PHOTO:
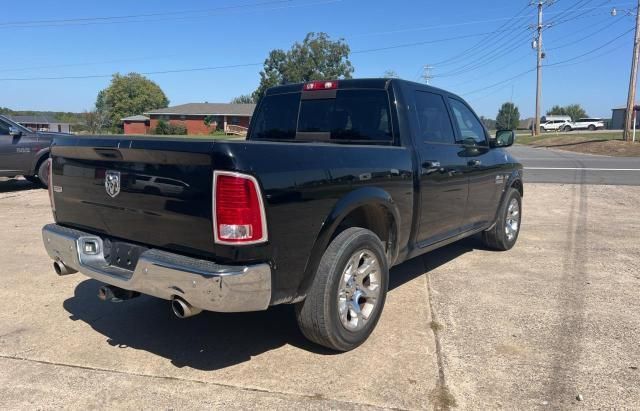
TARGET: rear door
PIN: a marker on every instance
(479, 164)
(443, 185)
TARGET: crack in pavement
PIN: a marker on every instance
(313, 397)
(441, 398)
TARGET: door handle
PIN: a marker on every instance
(474, 163)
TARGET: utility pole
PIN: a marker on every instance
(427, 73)
(536, 130)
(630, 117)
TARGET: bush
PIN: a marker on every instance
(164, 128)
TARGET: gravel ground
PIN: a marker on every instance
(555, 318)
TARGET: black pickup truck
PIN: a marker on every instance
(337, 182)
(24, 152)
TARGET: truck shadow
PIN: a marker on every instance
(12, 185)
(212, 341)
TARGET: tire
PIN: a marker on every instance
(326, 316)
(504, 234)
(566, 129)
(591, 127)
(43, 172)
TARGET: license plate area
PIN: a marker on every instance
(121, 254)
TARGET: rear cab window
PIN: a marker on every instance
(343, 116)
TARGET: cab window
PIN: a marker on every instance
(471, 130)
(435, 125)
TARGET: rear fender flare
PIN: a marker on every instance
(365, 196)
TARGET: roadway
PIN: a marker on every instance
(543, 165)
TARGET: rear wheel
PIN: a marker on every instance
(504, 234)
(591, 127)
(348, 293)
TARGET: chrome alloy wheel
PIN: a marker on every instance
(359, 289)
(512, 222)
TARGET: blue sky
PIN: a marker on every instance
(201, 33)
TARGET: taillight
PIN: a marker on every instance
(50, 184)
(320, 85)
(238, 211)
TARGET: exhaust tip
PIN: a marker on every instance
(183, 309)
(105, 293)
(61, 269)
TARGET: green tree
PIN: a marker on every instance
(490, 124)
(243, 99)
(316, 58)
(94, 120)
(128, 95)
(508, 117)
(575, 111)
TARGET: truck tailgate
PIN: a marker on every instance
(164, 196)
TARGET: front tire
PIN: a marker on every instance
(591, 127)
(504, 234)
(43, 172)
(567, 129)
(348, 293)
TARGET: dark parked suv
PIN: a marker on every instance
(337, 182)
(23, 152)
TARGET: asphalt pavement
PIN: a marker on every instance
(543, 165)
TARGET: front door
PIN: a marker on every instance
(443, 184)
(15, 151)
(480, 167)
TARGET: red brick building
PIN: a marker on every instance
(219, 116)
(136, 124)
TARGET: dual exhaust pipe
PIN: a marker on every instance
(180, 307)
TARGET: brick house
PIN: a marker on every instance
(136, 124)
(221, 117)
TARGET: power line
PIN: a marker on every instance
(84, 20)
(193, 69)
(479, 43)
(571, 43)
(559, 65)
(205, 68)
(397, 46)
(185, 18)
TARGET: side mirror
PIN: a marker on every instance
(504, 138)
(15, 132)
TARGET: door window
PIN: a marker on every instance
(4, 128)
(471, 130)
(435, 125)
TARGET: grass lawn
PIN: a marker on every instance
(593, 142)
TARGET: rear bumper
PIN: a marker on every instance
(203, 284)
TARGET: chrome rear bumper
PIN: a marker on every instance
(203, 284)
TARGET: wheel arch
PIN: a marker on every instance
(368, 207)
(38, 159)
